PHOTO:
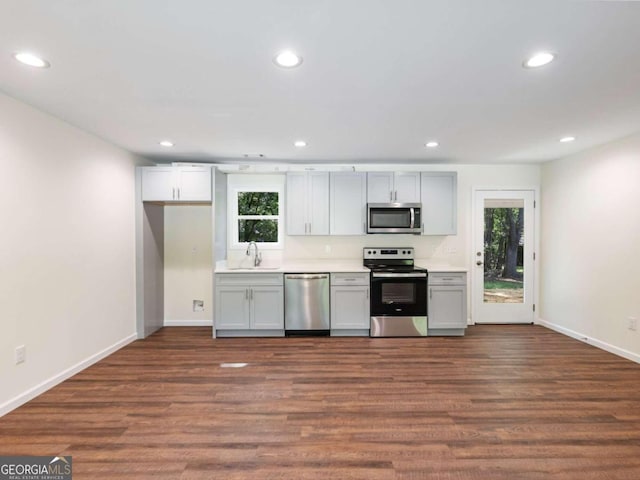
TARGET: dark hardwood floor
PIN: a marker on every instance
(504, 402)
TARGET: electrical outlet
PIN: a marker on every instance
(633, 323)
(21, 354)
(198, 306)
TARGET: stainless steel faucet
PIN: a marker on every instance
(257, 259)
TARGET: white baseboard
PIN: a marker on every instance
(62, 376)
(621, 352)
(188, 323)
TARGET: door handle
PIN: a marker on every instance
(479, 263)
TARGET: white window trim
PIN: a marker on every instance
(232, 203)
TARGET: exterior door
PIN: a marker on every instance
(503, 256)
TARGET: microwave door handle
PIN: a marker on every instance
(413, 217)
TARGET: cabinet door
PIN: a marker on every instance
(439, 195)
(296, 203)
(347, 203)
(318, 203)
(380, 187)
(407, 187)
(194, 184)
(267, 307)
(350, 308)
(158, 184)
(447, 306)
(232, 308)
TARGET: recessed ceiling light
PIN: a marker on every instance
(167, 143)
(31, 60)
(539, 59)
(431, 144)
(300, 143)
(567, 139)
(287, 59)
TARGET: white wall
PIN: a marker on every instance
(67, 249)
(590, 255)
(188, 269)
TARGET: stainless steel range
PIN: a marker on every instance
(398, 292)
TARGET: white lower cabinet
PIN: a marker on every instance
(249, 304)
(447, 303)
(350, 304)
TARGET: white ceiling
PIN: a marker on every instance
(379, 77)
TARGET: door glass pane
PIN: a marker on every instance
(503, 251)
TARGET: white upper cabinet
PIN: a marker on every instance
(176, 184)
(348, 203)
(407, 187)
(401, 187)
(308, 203)
(439, 195)
(379, 187)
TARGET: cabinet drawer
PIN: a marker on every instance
(249, 279)
(441, 278)
(349, 279)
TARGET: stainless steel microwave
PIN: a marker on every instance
(394, 218)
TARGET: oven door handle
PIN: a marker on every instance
(399, 275)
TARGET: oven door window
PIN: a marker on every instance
(393, 293)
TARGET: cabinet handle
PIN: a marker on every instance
(251, 294)
(178, 193)
(173, 194)
(395, 195)
(391, 195)
(430, 293)
(246, 294)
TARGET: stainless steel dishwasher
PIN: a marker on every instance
(306, 304)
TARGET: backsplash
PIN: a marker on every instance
(447, 249)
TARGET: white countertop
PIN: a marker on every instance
(333, 265)
(299, 266)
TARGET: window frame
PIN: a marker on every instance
(232, 225)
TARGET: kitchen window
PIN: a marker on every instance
(255, 215)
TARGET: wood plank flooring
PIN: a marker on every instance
(504, 402)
